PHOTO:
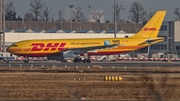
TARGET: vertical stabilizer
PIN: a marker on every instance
(152, 27)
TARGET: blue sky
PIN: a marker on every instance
(22, 6)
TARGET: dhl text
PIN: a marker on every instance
(47, 47)
(149, 29)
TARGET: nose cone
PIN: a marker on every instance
(8, 49)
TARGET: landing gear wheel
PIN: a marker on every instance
(88, 61)
(75, 60)
(85, 60)
(26, 61)
(79, 60)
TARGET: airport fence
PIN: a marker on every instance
(148, 59)
(21, 58)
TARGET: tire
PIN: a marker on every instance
(79, 60)
(85, 60)
(88, 61)
(75, 60)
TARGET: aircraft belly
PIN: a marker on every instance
(37, 54)
(106, 53)
(118, 50)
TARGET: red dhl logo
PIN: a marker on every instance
(149, 29)
(47, 47)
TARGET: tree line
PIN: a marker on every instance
(39, 11)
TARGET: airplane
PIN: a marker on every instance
(64, 49)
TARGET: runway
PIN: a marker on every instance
(104, 64)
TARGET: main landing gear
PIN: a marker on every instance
(79, 60)
(86, 59)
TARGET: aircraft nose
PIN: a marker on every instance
(8, 49)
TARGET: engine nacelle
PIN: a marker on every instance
(53, 58)
(70, 55)
(66, 55)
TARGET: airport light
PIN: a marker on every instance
(89, 6)
(71, 6)
(2, 25)
(114, 18)
(4, 4)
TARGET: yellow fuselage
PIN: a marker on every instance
(45, 47)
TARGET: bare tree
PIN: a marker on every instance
(37, 7)
(46, 14)
(29, 16)
(137, 12)
(96, 15)
(119, 8)
(78, 15)
(10, 11)
(60, 13)
(177, 13)
(150, 13)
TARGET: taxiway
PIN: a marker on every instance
(107, 63)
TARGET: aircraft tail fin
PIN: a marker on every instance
(152, 27)
(107, 42)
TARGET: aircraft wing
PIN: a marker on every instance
(95, 47)
(80, 50)
(85, 49)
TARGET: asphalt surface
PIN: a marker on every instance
(94, 63)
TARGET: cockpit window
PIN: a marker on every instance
(13, 45)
